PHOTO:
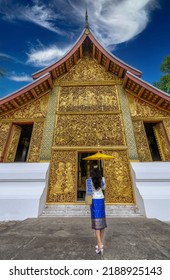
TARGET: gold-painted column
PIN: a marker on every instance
(49, 125)
(128, 126)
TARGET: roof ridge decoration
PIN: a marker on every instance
(86, 20)
(77, 46)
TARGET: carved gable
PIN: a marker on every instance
(87, 69)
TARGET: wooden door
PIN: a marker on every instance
(13, 143)
(162, 141)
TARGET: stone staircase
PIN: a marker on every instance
(82, 210)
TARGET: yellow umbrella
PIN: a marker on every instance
(98, 156)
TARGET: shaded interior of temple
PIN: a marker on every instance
(84, 167)
(24, 142)
(153, 146)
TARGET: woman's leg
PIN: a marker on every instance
(99, 242)
(101, 235)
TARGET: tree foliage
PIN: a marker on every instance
(164, 82)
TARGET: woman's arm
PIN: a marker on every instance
(103, 186)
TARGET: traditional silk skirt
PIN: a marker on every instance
(98, 216)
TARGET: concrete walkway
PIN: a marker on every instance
(73, 239)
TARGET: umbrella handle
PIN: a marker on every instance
(99, 164)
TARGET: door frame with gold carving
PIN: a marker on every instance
(162, 141)
(12, 143)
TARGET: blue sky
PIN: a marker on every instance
(34, 34)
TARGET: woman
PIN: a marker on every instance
(98, 216)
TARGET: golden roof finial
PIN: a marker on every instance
(86, 20)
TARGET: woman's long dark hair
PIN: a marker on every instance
(96, 177)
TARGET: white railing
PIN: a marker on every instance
(23, 190)
(152, 188)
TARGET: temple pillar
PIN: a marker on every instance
(128, 125)
(47, 140)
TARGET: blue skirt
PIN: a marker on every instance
(98, 216)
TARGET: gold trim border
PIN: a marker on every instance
(89, 148)
(83, 203)
(85, 83)
(89, 113)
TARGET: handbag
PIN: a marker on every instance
(88, 199)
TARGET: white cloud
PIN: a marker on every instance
(117, 21)
(44, 56)
(112, 21)
(36, 12)
(22, 77)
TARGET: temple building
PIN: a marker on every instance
(88, 101)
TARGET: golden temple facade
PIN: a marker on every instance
(88, 101)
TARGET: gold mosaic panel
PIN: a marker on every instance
(118, 178)
(141, 141)
(87, 69)
(140, 108)
(89, 98)
(88, 130)
(4, 130)
(36, 140)
(62, 184)
(128, 126)
(49, 125)
(35, 109)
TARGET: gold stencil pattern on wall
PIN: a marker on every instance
(140, 108)
(141, 141)
(62, 185)
(88, 69)
(35, 109)
(89, 98)
(88, 130)
(118, 178)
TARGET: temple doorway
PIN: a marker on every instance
(24, 142)
(84, 167)
(152, 141)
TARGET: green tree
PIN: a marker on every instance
(164, 82)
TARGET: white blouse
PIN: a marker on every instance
(98, 194)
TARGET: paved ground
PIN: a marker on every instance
(73, 239)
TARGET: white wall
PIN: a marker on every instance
(23, 190)
(152, 188)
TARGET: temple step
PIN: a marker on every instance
(77, 210)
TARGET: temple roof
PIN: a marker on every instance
(43, 79)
